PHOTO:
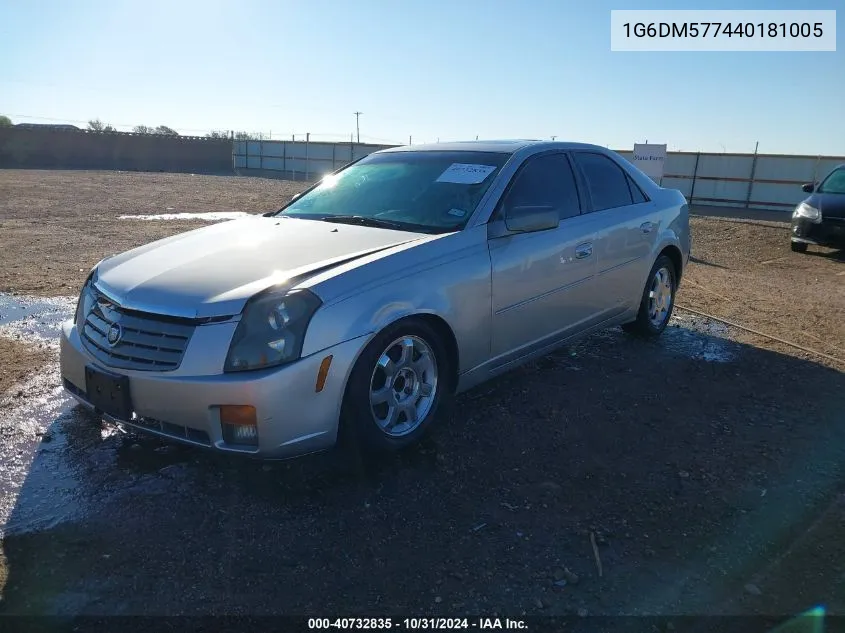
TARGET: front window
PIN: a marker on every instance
(434, 192)
(834, 183)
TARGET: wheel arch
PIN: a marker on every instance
(674, 254)
(435, 322)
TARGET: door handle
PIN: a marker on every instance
(646, 227)
(583, 250)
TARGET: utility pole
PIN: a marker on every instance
(410, 140)
(358, 127)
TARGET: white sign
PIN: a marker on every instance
(466, 174)
(650, 160)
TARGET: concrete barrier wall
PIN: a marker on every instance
(24, 148)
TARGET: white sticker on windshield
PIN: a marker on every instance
(457, 212)
(466, 174)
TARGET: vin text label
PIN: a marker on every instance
(740, 31)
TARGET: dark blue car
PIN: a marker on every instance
(820, 219)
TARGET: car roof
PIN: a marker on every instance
(503, 147)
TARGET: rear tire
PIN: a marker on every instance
(399, 386)
(657, 302)
(798, 247)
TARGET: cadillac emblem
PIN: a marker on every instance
(114, 334)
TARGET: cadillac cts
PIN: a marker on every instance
(363, 305)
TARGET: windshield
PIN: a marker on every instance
(834, 183)
(414, 191)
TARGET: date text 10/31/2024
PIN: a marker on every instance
(414, 624)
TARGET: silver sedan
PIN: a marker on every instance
(367, 302)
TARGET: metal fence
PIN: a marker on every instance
(753, 181)
(297, 160)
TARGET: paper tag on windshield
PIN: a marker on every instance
(457, 212)
(466, 174)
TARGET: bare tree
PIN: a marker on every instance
(217, 134)
(143, 129)
(95, 125)
(167, 131)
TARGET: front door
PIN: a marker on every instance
(540, 280)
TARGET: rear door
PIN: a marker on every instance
(628, 225)
(540, 279)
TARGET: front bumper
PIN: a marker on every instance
(292, 417)
(830, 232)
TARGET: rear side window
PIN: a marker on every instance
(606, 182)
(636, 193)
(546, 181)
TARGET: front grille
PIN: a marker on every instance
(176, 431)
(147, 341)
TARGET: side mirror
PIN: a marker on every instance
(529, 219)
(809, 187)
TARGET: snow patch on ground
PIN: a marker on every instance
(211, 216)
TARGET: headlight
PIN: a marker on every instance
(86, 299)
(271, 330)
(804, 210)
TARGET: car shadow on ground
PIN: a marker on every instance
(692, 462)
(834, 255)
(696, 260)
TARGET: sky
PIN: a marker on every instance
(417, 70)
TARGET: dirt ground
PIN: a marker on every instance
(55, 225)
(17, 361)
(706, 466)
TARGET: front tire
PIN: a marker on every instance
(798, 247)
(398, 387)
(657, 302)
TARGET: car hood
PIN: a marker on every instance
(213, 271)
(832, 205)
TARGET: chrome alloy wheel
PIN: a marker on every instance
(660, 297)
(403, 386)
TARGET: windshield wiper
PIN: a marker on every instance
(363, 221)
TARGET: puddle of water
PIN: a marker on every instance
(34, 319)
(695, 338)
(33, 411)
(212, 216)
(699, 339)
(30, 409)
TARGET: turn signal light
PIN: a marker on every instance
(239, 424)
(323, 374)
